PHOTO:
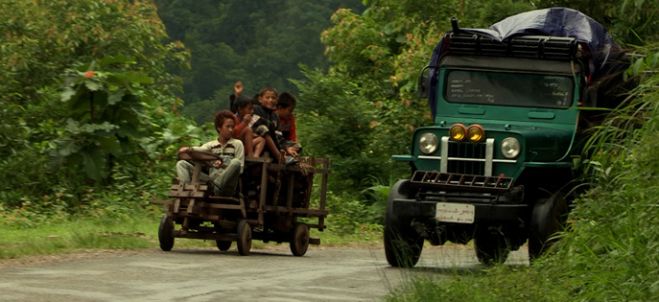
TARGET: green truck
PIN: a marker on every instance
(498, 164)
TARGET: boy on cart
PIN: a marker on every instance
(225, 171)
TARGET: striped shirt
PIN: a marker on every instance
(230, 150)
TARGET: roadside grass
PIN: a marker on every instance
(519, 284)
(364, 235)
(75, 234)
(128, 232)
(611, 250)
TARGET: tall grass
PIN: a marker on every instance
(611, 251)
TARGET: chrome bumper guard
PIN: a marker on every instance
(451, 181)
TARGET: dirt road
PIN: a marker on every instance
(324, 274)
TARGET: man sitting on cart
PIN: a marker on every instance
(225, 171)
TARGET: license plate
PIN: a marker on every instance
(455, 212)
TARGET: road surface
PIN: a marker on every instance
(323, 274)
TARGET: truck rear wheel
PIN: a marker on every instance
(548, 217)
(402, 244)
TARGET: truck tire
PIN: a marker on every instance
(548, 217)
(166, 233)
(299, 239)
(491, 247)
(244, 242)
(402, 244)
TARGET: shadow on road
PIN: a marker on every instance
(232, 253)
(475, 269)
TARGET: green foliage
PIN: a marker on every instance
(342, 120)
(65, 131)
(261, 43)
(105, 118)
(351, 218)
(376, 200)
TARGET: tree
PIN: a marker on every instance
(103, 114)
(261, 43)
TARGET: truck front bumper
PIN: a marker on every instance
(420, 209)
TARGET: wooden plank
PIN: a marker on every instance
(164, 202)
(307, 212)
(194, 235)
(242, 208)
(257, 160)
(178, 194)
(177, 205)
(224, 198)
(264, 191)
(186, 194)
(197, 187)
(323, 189)
(224, 206)
(289, 191)
(190, 206)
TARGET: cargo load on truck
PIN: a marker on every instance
(592, 42)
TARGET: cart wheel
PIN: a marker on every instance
(244, 238)
(300, 239)
(166, 233)
(223, 245)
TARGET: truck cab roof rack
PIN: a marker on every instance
(529, 46)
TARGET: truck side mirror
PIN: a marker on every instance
(423, 85)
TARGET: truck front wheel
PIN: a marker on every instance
(402, 244)
(548, 217)
(491, 246)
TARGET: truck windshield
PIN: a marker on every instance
(508, 88)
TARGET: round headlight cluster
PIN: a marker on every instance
(510, 147)
(474, 133)
(428, 143)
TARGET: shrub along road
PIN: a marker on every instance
(324, 274)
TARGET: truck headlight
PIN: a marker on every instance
(428, 143)
(510, 147)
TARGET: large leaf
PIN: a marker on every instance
(94, 164)
(116, 97)
(92, 85)
(109, 144)
(67, 94)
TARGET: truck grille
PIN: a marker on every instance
(459, 154)
(466, 157)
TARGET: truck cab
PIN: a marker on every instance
(497, 165)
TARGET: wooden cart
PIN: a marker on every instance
(271, 200)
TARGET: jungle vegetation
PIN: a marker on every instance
(97, 95)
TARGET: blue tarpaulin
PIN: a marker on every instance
(606, 56)
(562, 22)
